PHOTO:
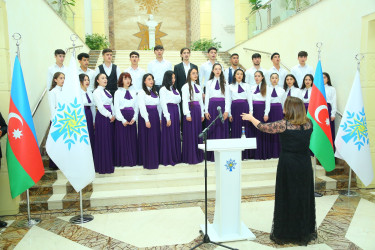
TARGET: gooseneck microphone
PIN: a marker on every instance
(220, 114)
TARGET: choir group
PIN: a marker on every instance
(137, 118)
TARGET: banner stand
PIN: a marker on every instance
(82, 218)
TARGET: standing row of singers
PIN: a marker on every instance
(116, 141)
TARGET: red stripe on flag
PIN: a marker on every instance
(23, 144)
(318, 110)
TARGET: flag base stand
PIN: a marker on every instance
(349, 193)
(30, 222)
(82, 218)
(316, 194)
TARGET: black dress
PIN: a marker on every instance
(294, 215)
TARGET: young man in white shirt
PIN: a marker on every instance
(276, 68)
(228, 73)
(301, 69)
(110, 69)
(206, 68)
(57, 67)
(158, 66)
(249, 74)
(83, 59)
(135, 71)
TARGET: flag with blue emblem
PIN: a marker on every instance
(352, 139)
(68, 142)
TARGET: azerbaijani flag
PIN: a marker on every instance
(321, 139)
(25, 164)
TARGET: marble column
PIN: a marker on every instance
(88, 17)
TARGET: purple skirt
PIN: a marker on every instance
(103, 148)
(170, 149)
(126, 140)
(218, 130)
(190, 140)
(90, 126)
(276, 114)
(332, 124)
(149, 139)
(263, 150)
(238, 107)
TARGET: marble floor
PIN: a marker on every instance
(342, 222)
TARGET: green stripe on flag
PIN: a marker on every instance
(19, 180)
(321, 146)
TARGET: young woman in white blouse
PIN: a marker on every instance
(261, 108)
(291, 88)
(126, 111)
(149, 124)
(54, 96)
(104, 127)
(331, 101)
(276, 112)
(192, 106)
(89, 106)
(242, 102)
(170, 148)
(306, 88)
(217, 95)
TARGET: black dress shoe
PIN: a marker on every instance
(3, 223)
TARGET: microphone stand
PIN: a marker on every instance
(206, 238)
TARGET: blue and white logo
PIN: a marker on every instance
(230, 165)
(355, 128)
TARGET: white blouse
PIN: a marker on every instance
(331, 98)
(54, 96)
(246, 95)
(167, 96)
(143, 100)
(120, 102)
(259, 97)
(211, 92)
(195, 97)
(303, 94)
(85, 102)
(101, 99)
(279, 91)
(295, 92)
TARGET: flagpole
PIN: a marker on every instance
(81, 218)
(30, 221)
(349, 193)
(316, 194)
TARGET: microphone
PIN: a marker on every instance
(220, 114)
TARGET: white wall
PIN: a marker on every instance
(222, 23)
(42, 32)
(335, 23)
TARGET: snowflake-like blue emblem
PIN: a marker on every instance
(230, 165)
(356, 128)
(70, 122)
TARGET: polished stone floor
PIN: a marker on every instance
(343, 223)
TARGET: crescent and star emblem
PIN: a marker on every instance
(16, 132)
(317, 111)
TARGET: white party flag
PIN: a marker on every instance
(68, 142)
(352, 139)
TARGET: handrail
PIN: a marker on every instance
(38, 103)
(267, 53)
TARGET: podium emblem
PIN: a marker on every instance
(230, 165)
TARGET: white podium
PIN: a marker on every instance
(227, 224)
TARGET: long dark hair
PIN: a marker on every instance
(55, 76)
(295, 84)
(222, 78)
(167, 79)
(328, 78)
(144, 87)
(303, 82)
(234, 76)
(97, 78)
(188, 80)
(263, 84)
